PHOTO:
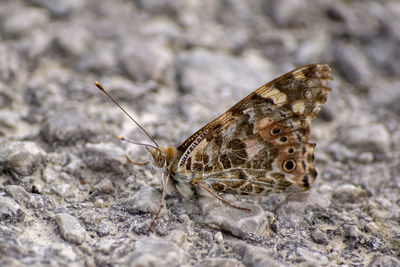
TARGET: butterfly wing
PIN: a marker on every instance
(260, 144)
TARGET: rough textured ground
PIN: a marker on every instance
(68, 197)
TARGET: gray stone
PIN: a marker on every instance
(69, 126)
(146, 59)
(352, 63)
(73, 39)
(240, 223)
(312, 256)
(368, 138)
(105, 186)
(256, 256)
(157, 252)
(291, 211)
(348, 193)
(106, 157)
(147, 200)
(319, 237)
(384, 261)
(10, 211)
(220, 262)
(25, 20)
(56, 7)
(18, 193)
(202, 71)
(24, 158)
(103, 228)
(10, 63)
(71, 229)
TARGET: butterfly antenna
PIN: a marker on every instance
(136, 143)
(127, 114)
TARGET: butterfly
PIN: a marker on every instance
(258, 146)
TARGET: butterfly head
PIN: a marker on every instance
(162, 156)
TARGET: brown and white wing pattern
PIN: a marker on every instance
(260, 144)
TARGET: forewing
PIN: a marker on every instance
(260, 144)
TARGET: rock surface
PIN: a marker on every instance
(70, 197)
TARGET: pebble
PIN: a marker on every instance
(220, 262)
(10, 63)
(147, 200)
(311, 256)
(68, 126)
(73, 39)
(348, 193)
(57, 8)
(218, 237)
(10, 211)
(105, 186)
(103, 228)
(319, 237)
(99, 203)
(368, 138)
(153, 252)
(352, 63)
(256, 256)
(384, 260)
(105, 157)
(153, 61)
(23, 158)
(238, 222)
(71, 229)
(25, 20)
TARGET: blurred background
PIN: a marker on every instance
(175, 65)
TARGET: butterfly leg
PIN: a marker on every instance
(221, 199)
(164, 193)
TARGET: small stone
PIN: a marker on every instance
(106, 157)
(256, 256)
(352, 63)
(69, 126)
(152, 62)
(221, 262)
(179, 237)
(384, 261)
(240, 223)
(319, 237)
(103, 228)
(152, 252)
(367, 138)
(25, 20)
(18, 193)
(57, 8)
(74, 40)
(312, 256)
(99, 203)
(105, 246)
(10, 211)
(291, 211)
(341, 152)
(147, 200)
(71, 229)
(348, 193)
(49, 175)
(105, 186)
(10, 64)
(22, 157)
(365, 157)
(218, 237)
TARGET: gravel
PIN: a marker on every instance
(70, 197)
